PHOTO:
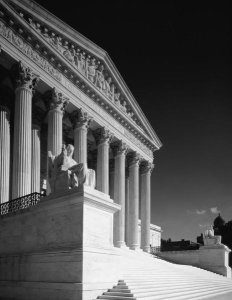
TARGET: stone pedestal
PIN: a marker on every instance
(35, 159)
(25, 80)
(133, 231)
(61, 249)
(145, 196)
(215, 258)
(4, 154)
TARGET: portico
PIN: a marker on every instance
(63, 89)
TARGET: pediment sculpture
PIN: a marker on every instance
(211, 239)
(64, 173)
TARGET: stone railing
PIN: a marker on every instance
(20, 203)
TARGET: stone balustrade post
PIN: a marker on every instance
(26, 81)
(103, 138)
(4, 153)
(133, 213)
(145, 196)
(120, 149)
(35, 159)
(81, 121)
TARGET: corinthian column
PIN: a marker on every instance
(146, 169)
(25, 80)
(81, 122)
(4, 154)
(35, 159)
(133, 231)
(57, 104)
(103, 138)
(120, 150)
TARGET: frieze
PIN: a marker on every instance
(27, 49)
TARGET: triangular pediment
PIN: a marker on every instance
(86, 63)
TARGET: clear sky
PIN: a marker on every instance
(177, 62)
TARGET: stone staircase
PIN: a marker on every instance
(151, 278)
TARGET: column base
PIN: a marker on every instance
(120, 244)
(146, 249)
(134, 247)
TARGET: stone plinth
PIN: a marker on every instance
(215, 258)
(212, 258)
(61, 249)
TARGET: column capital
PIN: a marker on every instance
(103, 135)
(134, 158)
(56, 100)
(119, 148)
(146, 167)
(80, 118)
(24, 76)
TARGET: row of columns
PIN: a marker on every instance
(26, 158)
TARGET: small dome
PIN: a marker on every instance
(219, 221)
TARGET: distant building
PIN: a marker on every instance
(169, 245)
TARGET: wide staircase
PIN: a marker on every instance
(151, 278)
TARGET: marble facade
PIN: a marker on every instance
(57, 88)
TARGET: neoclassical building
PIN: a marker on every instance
(58, 88)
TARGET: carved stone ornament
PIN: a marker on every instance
(80, 118)
(56, 100)
(103, 135)
(24, 76)
(134, 158)
(119, 148)
(146, 167)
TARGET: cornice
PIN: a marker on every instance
(25, 31)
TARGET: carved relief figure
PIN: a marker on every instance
(123, 106)
(92, 66)
(100, 79)
(109, 88)
(67, 53)
(117, 98)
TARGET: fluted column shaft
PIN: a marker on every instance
(57, 104)
(35, 159)
(133, 231)
(103, 139)
(127, 207)
(55, 133)
(4, 154)
(22, 143)
(120, 150)
(81, 122)
(26, 81)
(145, 205)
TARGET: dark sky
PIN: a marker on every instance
(177, 62)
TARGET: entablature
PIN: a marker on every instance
(55, 63)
